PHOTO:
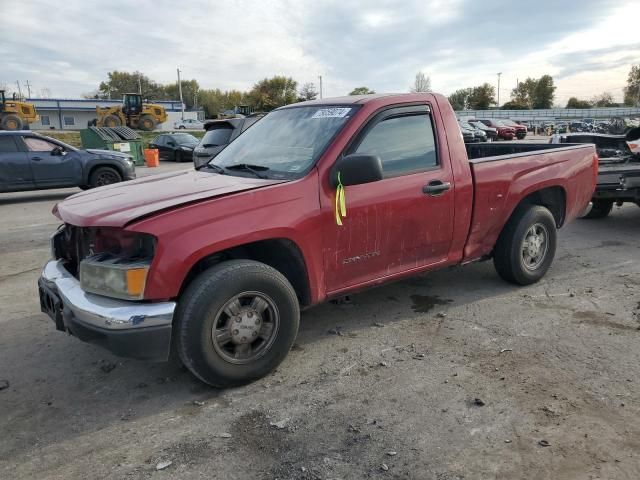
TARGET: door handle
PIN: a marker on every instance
(37, 159)
(436, 187)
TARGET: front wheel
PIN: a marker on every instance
(236, 322)
(526, 247)
(104, 176)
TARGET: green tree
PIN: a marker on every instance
(307, 92)
(514, 105)
(605, 99)
(459, 99)
(535, 92)
(574, 102)
(544, 93)
(482, 97)
(422, 83)
(119, 83)
(190, 89)
(216, 101)
(273, 92)
(361, 91)
(632, 90)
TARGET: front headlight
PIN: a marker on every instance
(114, 277)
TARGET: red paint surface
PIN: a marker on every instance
(392, 223)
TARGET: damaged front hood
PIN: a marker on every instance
(119, 204)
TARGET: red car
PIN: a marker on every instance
(521, 130)
(506, 132)
(317, 200)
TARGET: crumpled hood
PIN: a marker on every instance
(119, 204)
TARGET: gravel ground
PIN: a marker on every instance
(452, 375)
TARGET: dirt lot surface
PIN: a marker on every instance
(452, 375)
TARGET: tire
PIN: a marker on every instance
(181, 127)
(102, 176)
(11, 122)
(599, 209)
(111, 121)
(531, 225)
(205, 304)
(84, 187)
(146, 123)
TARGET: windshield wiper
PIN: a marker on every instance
(209, 145)
(212, 166)
(249, 168)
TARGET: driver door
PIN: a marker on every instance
(52, 166)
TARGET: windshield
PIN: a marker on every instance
(216, 137)
(467, 125)
(185, 139)
(509, 123)
(286, 142)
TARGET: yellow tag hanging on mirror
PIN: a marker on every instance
(341, 203)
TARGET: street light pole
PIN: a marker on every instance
(498, 103)
(180, 90)
(320, 78)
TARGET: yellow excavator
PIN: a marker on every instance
(15, 114)
(133, 113)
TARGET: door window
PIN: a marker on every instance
(7, 144)
(39, 145)
(405, 144)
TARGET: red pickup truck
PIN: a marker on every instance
(317, 200)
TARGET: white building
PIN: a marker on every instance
(75, 114)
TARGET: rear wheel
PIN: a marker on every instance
(526, 247)
(598, 209)
(236, 322)
(11, 122)
(104, 176)
(112, 121)
(147, 123)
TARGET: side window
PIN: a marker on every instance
(38, 144)
(405, 144)
(7, 144)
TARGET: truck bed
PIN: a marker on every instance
(503, 174)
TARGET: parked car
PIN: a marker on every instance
(315, 201)
(177, 147)
(219, 134)
(505, 132)
(521, 130)
(618, 170)
(492, 133)
(188, 124)
(478, 134)
(467, 135)
(29, 161)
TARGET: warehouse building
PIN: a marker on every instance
(75, 114)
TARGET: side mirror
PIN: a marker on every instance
(171, 144)
(57, 151)
(356, 169)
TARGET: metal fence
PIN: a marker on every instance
(553, 113)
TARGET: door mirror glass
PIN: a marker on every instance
(171, 144)
(57, 151)
(356, 169)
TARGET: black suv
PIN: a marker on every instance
(29, 161)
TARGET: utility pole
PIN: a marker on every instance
(28, 89)
(498, 103)
(180, 90)
(320, 78)
(139, 85)
(19, 90)
(195, 99)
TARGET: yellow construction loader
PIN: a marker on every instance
(132, 113)
(15, 114)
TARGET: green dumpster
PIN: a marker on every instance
(119, 139)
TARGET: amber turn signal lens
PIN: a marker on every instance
(136, 279)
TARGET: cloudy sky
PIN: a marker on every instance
(69, 46)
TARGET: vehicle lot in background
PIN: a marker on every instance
(416, 354)
(175, 147)
(505, 132)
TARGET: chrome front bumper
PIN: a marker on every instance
(133, 329)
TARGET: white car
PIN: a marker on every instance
(188, 124)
